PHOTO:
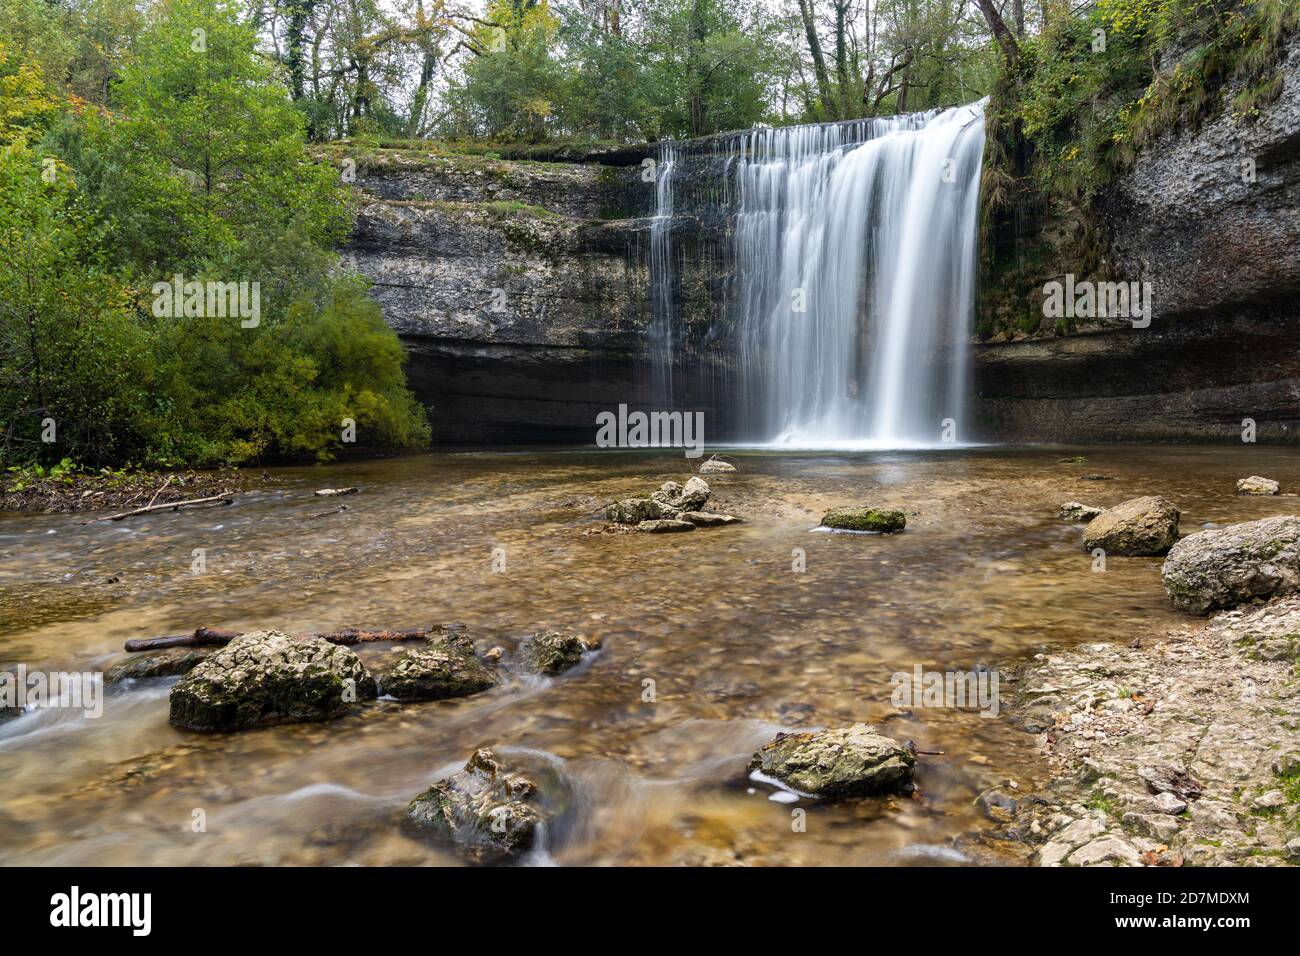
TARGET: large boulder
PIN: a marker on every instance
(1223, 567)
(443, 667)
(266, 677)
(853, 761)
(489, 813)
(865, 519)
(1139, 526)
(552, 652)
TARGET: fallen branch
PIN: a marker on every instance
(226, 497)
(332, 511)
(161, 489)
(213, 637)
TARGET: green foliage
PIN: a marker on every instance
(200, 170)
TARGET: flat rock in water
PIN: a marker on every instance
(267, 677)
(715, 467)
(1139, 526)
(169, 662)
(1224, 567)
(1078, 511)
(707, 519)
(438, 670)
(664, 526)
(490, 814)
(850, 762)
(335, 492)
(552, 652)
(865, 519)
(1255, 485)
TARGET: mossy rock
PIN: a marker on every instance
(441, 669)
(636, 510)
(865, 519)
(266, 677)
(552, 652)
(833, 764)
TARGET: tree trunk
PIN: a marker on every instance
(819, 61)
(999, 29)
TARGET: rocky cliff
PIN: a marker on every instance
(1211, 218)
(522, 290)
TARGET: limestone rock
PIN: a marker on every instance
(707, 519)
(636, 510)
(688, 497)
(552, 652)
(1223, 567)
(853, 761)
(169, 662)
(489, 813)
(715, 467)
(267, 677)
(664, 526)
(1255, 485)
(438, 670)
(1139, 526)
(1078, 511)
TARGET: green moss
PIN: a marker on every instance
(865, 519)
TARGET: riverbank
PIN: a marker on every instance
(1179, 750)
(121, 490)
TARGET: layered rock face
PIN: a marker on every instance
(1211, 218)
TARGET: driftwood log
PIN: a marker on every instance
(213, 637)
(224, 498)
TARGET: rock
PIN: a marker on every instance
(707, 519)
(1165, 779)
(1053, 854)
(1080, 832)
(1228, 566)
(1156, 825)
(1255, 485)
(552, 652)
(266, 677)
(865, 519)
(1139, 526)
(440, 669)
(1277, 649)
(489, 813)
(636, 510)
(853, 761)
(335, 492)
(1214, 813)
(1168, 802)
(715, 467)
(1106, 849)
(664, 526)
(996, 805)
(1272, 800)
(1096, 477)
(1293, 849)
(165, 663)
(690, 497)
(1078, 511)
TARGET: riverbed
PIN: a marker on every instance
(711, 643)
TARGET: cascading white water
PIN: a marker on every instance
(856, 264)
(662, 327)
(855, 259)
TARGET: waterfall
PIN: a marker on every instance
(662, 353)
(854, 261)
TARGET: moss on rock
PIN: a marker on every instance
(865, 519)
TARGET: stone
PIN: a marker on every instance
(636, 510)
(1053, 853)
(1227, 566)
(1293, 849)
(489, 813)
(267, 677)
(707, 519)
(996, 805)
(1078, 511)
(170, 662)
(1157, 825)
(865, 519)
(1080, 832)
(438, 670)
(1272, 800)
(1106, 849)
(849, 762)
(552, 652)
(1255, 485)
(1139, 526)
(1214, 813)
(1165, 779)
(664, 526)
(715, 467)
(688, 497)
(1167, 802)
